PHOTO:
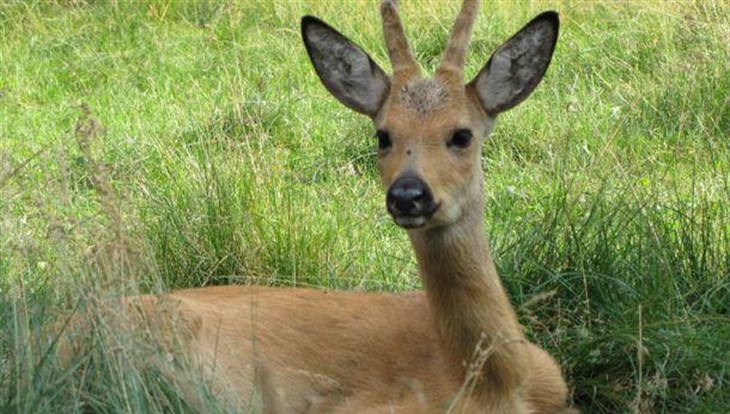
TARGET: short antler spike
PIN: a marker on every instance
(401, 55)
(456, 48)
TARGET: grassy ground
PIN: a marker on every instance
(153, 145)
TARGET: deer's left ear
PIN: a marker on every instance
(517, 67)
(344, 69)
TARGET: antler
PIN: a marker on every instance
(455, 53)
(401, 55)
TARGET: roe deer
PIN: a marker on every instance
(457, 348)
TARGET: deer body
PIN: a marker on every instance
(338, 352)
(458, 347)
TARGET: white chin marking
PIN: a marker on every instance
(410, 221)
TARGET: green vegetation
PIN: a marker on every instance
(156, 144)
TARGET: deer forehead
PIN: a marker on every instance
(424, 109)
(422, 96)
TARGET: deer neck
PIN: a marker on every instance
(471, 311)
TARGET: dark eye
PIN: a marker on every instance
(460, 139)
(383, 140)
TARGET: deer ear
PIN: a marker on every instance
(344, 69)
(517, 67)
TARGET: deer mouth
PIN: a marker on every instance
(410, 201)
(411, 221)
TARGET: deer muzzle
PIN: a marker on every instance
(410, 202)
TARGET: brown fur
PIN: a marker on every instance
(310, 351)
(457, 348)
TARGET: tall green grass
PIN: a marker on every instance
(155, 145)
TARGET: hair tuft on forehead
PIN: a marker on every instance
(423, 95)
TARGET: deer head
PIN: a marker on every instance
(429, 131)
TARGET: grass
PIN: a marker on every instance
(156, 145)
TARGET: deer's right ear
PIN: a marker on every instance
(344, 69)
(517, 67)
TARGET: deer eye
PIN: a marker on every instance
(384, 141)
(460, 139)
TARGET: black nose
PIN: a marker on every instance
(409, 196)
